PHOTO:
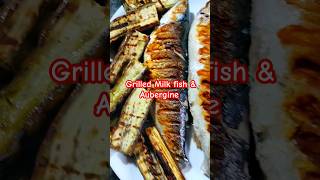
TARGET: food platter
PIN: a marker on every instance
(125, 167)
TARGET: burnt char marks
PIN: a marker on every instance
(230, 22)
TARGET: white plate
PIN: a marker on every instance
(125, 167)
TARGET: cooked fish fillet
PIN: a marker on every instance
(163, 153)
(161, 5)
(285, 115)
(199, 71)
(76, 144)
(147, 162)
(32, 93)
(145, 17)
(133, 72)
(17, 20)
(133, 114)
(165, 58)
(230, 131)
(131, 49)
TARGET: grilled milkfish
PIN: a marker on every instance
(147, 162)
(230, 130)
(32, 93)
(17, 20)
(75, 145)
(169, 164)
(133, 72)
(131, 49)
(133, 114)
(145, 17)
(285, 115)
(161, 5)
(165, 58)
(199, 71)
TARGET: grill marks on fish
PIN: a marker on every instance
(203, 34)
(164, 59)
(301, 105)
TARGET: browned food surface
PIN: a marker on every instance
(203, 33)
(145, 17)
(302, 105)
(166, 62)
(169, 164)
(230, 151)
(147, 162)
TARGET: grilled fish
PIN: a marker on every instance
(165, 58)
(131, 49)
(17, 20)
(285, 115)
(75, 145)
(133, 72)
(133, 114)
(230, 131)
(160, 148)
(32, 93)
(199, 71)
(143, 18)
(147, 162)
(161, 5)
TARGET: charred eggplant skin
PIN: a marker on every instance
(133, 115)
(131, 49)
(19, 19)
(141, 19)
(31, 93)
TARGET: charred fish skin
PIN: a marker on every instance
(31, 92)
(199, 71)
(17, 20)
(141, 19)
(131, 49)
(230, 136)
(165, 58)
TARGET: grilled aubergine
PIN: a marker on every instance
(165, 58)
(133, 72)
(147, 162)
(32, 93)
(145, 17)
(199, 71)
(131, 49)
(17, 20)
(133, 114)
(75, 145)
(161, 5)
